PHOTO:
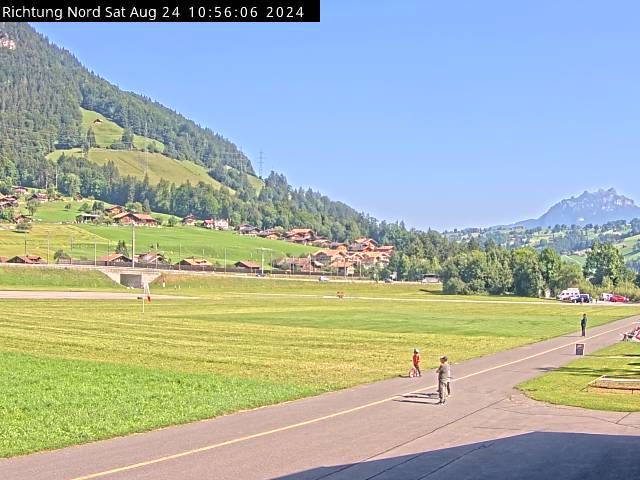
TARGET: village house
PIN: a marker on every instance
(195, 262)
(342, 267)
(270, 233)
(129, 218)
(300, 235)
(247, 265)
(115, 210)
(86, 218)
(8, 201)
(39, 197)
(190, 220)
(27, 259)
(246, 229)
(301, 265)
(338, 246)
(363, 244)
(115, 259)
(321, 242)
(388, 249)
(19, 190)
(151, 258)
(6, 42)
(325, 257)
(216, 224)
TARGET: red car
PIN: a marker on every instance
(618, 298)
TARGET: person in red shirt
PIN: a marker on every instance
(416, 361)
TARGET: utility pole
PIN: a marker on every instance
(225, 260)
(179, 255)
(133, 244)
(95, 253)
(48, 245)
(260, 163)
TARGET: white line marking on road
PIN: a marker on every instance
(325, 417)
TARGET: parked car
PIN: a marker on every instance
(619, 299)
(388, 280)
(323, 278)
(569, 294)
(582, 298)
(607, 297)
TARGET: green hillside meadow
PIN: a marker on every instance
(54, 229)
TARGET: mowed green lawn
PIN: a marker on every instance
(233, 346)
(568, 384)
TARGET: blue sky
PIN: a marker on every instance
(443, 115)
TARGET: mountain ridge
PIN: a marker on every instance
(596, 208)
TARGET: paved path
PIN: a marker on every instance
(387, 430)
(65, 295)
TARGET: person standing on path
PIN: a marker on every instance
(443, 378)
(416, 361)
(583, 324)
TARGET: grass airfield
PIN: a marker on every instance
(77, 371)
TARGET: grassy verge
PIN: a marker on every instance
(28, 278)
(50, 403)
(568, 385)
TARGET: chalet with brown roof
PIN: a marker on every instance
(115, 259)
(321, 243)
(39, 197)
(386, 249)
(195, 262)
(300, 235)
(246, 229)
(363, 244)
(338, 246)
(325, 257)
(129, 218)
(20, 190)
(115, 210)
(247, 265)
(8, 201)
(27, 259)
(270, 233)
(189, 220)
(342, 267)
(304, 265)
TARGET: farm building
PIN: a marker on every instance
(195, 262)
(151, 258)
(39, 197)
(190, 220)
(247, 265)
(115, 210)
(115, 259)
(28, 259)
(128, 218)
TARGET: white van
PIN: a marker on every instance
(569, 294)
